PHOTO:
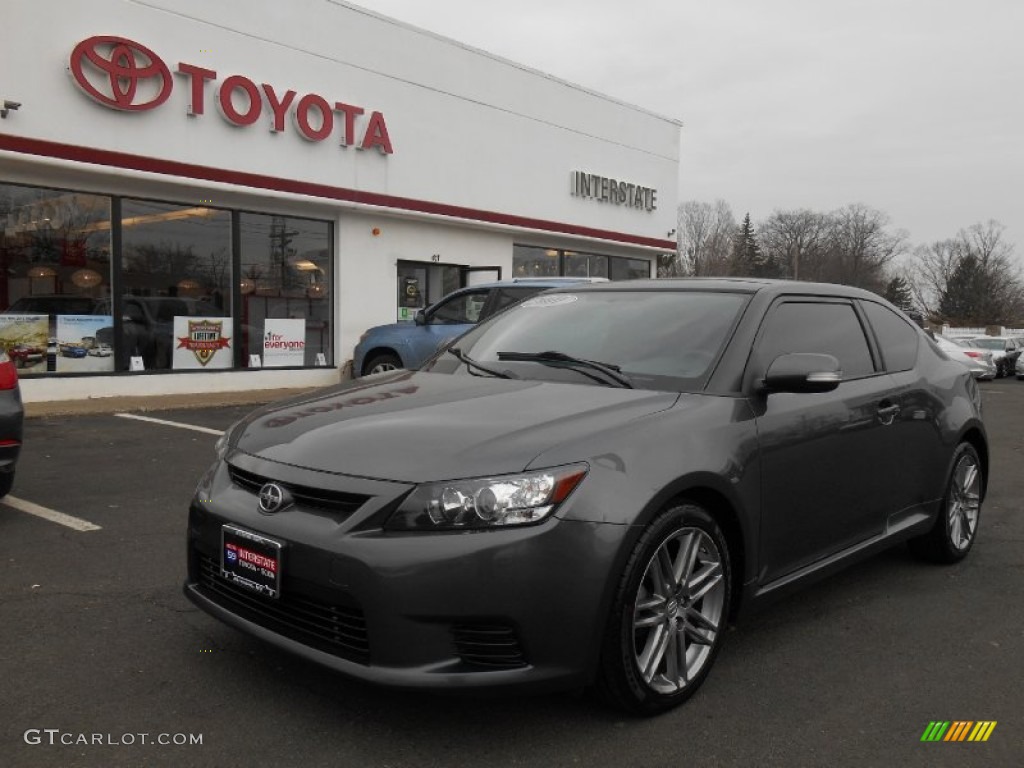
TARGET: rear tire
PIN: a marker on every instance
(669, 616)
(956, 525)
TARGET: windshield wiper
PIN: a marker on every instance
(613, 372)
(469, 362)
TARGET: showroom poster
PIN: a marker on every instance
(84, 343)
(284, 342)
(202, 342)
(24, 338)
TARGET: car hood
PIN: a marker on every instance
(418, 427)
(390, 331)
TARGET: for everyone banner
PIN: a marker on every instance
(284, 342)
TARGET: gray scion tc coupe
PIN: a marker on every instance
(585, 488)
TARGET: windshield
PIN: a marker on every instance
(657, 339)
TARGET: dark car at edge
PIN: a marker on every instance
(12, 417)
(585, 489)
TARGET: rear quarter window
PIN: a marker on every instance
(897, 338)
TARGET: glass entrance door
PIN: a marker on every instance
(422, 283)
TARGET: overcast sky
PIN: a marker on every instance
(913, 107)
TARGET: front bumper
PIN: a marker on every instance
(522, 607)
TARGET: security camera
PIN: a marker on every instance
(9, 106)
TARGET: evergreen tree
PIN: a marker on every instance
(748, 260)
(898, 293)
(746, 253)
(965, 300)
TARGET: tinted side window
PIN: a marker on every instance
(464, 308)
(507, 296)
(896, 336)
(831, 329)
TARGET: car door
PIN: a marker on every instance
(447, 319)
(823, 455)
(916, 426)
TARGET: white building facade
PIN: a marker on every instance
(219, 196)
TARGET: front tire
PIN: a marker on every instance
(386, 361)
(669, 616)
(956, 525)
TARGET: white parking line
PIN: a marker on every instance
(166, 423)
(50, 514)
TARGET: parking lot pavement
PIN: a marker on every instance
(96, 641)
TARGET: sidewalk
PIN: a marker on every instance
(157, 402)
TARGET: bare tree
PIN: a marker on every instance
(797, 240)
(704, 233)
(861, 248)
(929, 273)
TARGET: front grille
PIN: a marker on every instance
(337, 502)
(336, 629)
(488, 644)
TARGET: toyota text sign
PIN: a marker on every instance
(124, 75)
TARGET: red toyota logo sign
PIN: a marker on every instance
(120, 73)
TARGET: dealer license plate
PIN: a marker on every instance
(251, 561)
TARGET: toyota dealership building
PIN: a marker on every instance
(218, 196)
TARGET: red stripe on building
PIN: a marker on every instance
(133, 162)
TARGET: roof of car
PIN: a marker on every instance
(735, 285)
(543, 282)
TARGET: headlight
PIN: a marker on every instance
(489, 502)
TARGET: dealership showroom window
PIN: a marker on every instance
(93, 283)
(530, 261)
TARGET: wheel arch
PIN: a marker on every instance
(382, 349)
(716, 503)
(977, 440)
(707, 491)
(724, 513)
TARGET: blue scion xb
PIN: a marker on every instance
(408, 345)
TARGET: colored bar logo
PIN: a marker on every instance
(958, 730)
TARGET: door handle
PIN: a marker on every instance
(887, 413)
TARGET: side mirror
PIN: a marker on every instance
(420, 318)
(803, 372)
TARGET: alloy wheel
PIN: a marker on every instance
(679, 609)
(964, 502)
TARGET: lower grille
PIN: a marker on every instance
(488, 644)
(335, 629)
